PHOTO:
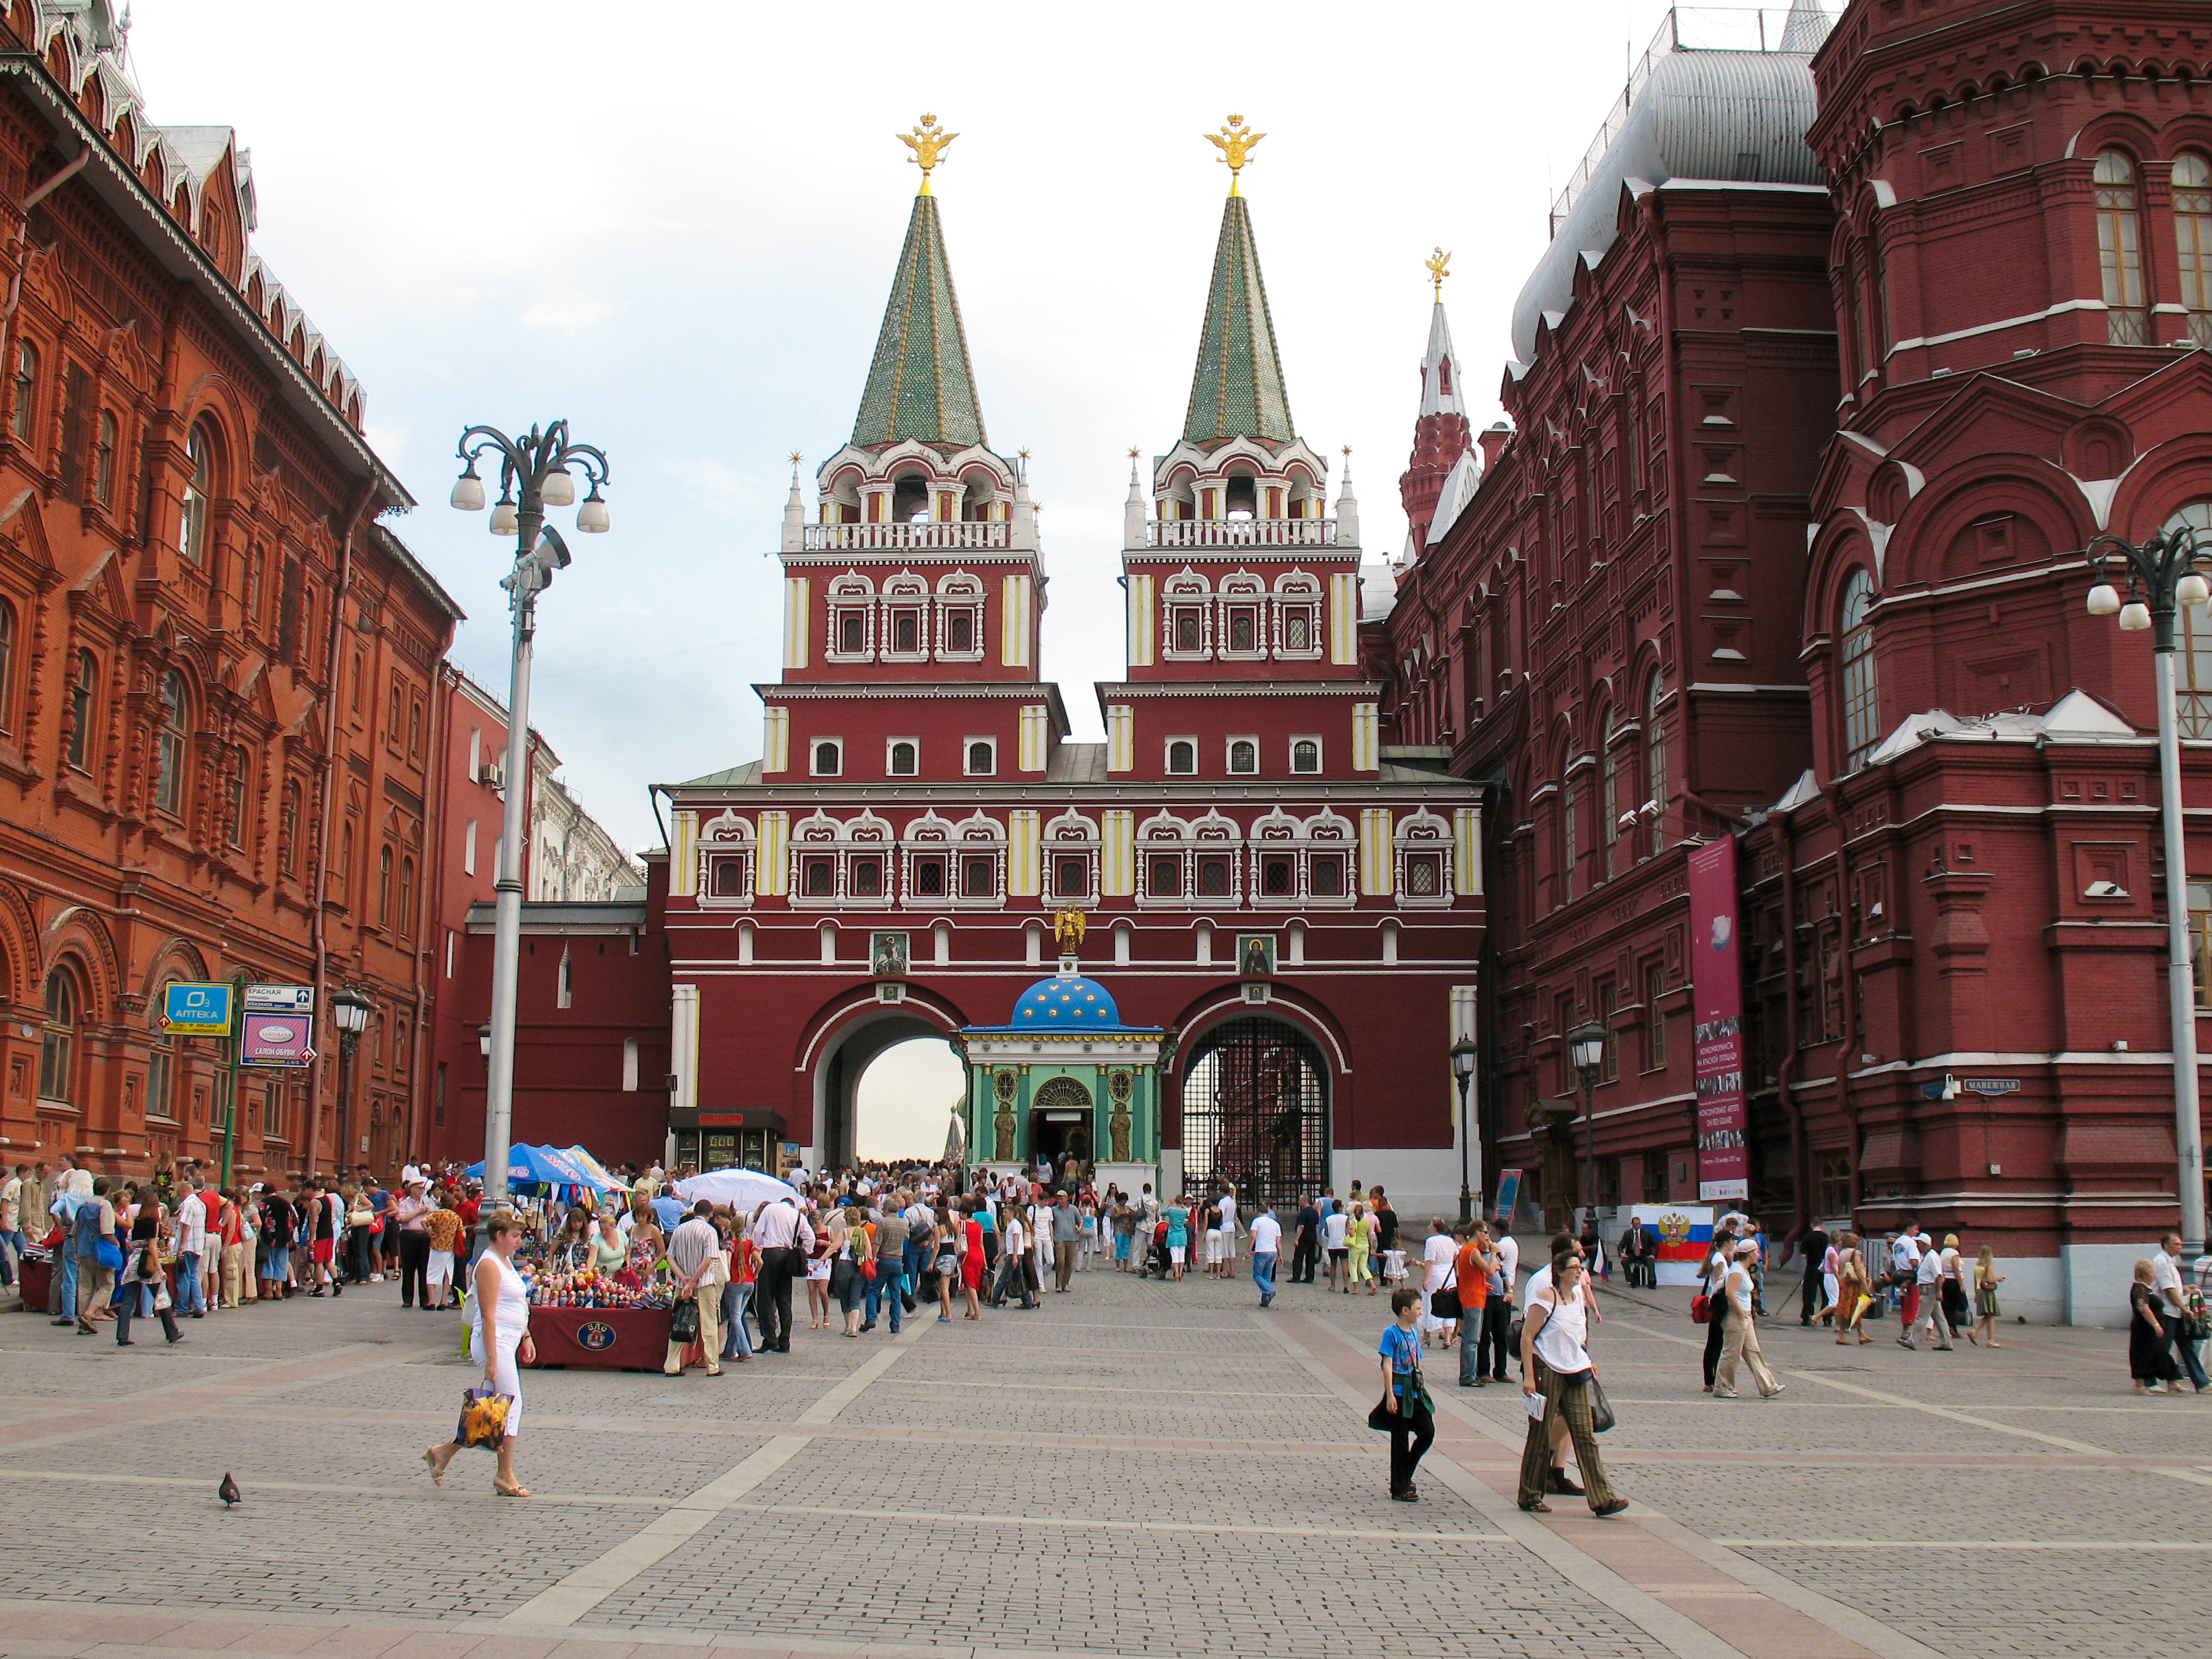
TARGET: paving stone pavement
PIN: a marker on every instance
(1137, 1469)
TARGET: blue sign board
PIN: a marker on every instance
(188, 1009)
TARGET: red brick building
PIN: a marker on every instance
(217, 669)
(1785, 543)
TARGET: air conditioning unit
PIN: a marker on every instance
(495, 776)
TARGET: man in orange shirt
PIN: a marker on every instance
(1475, 1263)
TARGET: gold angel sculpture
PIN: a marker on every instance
(1235, 141)
(928, 142)
(1439, 265)
(1067, 930)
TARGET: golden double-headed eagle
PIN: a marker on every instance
(928, 142)
(1235, 141)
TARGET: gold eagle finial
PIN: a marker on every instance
(1235, 141)
(1439, 265)
(928, 142)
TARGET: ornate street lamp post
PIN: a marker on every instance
(1462, 1067)
(533, 475)
(349, 1012)
(2159, 577)
(1586, 1047)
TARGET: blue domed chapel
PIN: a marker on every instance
(1065, 1075)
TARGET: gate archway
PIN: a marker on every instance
(1255, 1112)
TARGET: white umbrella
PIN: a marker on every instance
(740, 1189)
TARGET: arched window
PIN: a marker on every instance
(406, 900)
(1243, 756)
(982, 758)
(904, 761)
(234, 796)
(1305, 756)
(384, 888)
(27, 391)
(2192, 239)
(1608, 824)
(2192, 703)
(103, 461)
(199, 495)
(1182, 757)
(84, 683)
(1654, 763)
(2119, 249)
(160, 1065)
(169, 759)
(829, 760)
(1861, 693)
(1570, 850)
(58, 1041)
(7, 665)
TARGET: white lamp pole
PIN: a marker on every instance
(2161, 576)
(533, 475)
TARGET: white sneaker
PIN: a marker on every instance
(376, 1279)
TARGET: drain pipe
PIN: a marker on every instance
(19, 239)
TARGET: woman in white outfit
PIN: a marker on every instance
(504, 1338)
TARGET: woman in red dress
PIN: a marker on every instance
(971, 1264)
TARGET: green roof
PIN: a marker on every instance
(919, 385)
(1237, 390)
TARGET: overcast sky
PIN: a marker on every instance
(679, 233)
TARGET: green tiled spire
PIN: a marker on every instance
(919, 385)
(1237, 390)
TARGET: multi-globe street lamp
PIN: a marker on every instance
(533, 475)
(2145, 587)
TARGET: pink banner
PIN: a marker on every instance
(1716, 995)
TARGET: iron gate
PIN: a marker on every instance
(1255, 1112)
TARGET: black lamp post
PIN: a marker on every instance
(1586, 1047)
(2160, 576)
(1462, 1067)
(349, 1012)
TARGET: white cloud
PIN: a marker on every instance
(567, 313)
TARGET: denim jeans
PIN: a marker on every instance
(1263, 1272)
(191, 1296)
(888, 1283)
(2184, 1351)
(1471, 1351)
(737, 1342)
(65, 1281)
(14, 1240)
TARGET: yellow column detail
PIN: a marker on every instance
(683, 854)
(1344, 618)
(795, 622)
(773, 876)
(1024, 871)
(1121, 738)
(1374, 852)
(1117, 853)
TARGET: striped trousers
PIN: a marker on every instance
(1570, 1403)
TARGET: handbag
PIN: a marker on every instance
(867, 1267)
(1601, 1417)
(109, 1254)
(684, 1321)
(1701, 1308)
(1444, 1304)
(484, 1417)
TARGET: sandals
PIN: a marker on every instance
(511, 1491)
(437, 1474)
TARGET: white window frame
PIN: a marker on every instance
(1186, 590)
(1418, 834)
(814, 747)
(1228, 766)
(733, 853)
(1247, 595)
(857, 595)
(1321, 754)
(891, 745)
(1167, 758)
(967, 766)
(959, 591)
(904, 592)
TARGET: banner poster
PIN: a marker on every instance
(1685, 1232)
(1508, 1198)
(1717, 999)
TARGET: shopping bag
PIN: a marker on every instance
(484, 1417)
(684, 1321)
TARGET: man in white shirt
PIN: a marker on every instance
(1335, 1225)
(2166, 1286)
(192, 1247)
(1904, 1266)
(783, 1238)
(1229, 1232)
(1928, 1280)
(1437, 1265)
(1508, 1264)
(1267, 1250)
